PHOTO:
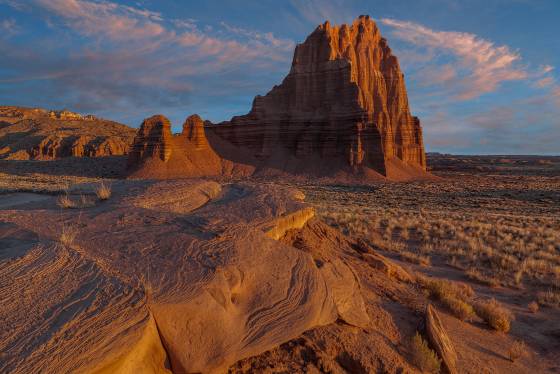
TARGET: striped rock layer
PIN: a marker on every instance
(341, 111)
(344, 99)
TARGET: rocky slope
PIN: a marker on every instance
(27, 133)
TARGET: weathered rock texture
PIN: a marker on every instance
(41, 135)
(341, 111)
(440, 341)
(344, 100)
(157, 153)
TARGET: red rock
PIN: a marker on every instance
(344, 100)
(342, 110)
(193, 129)
(32, 133)
(153, 141)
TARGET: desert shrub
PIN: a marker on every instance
(549, 298)
(533, 307)
(415, 258)
(65, 202)
(422, 356)
(68, 235)
(481, 278)
(494, 314)
(454, 296)
(103, 191)
(459, 308)
(517, 350)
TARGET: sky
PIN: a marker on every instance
(482, 75)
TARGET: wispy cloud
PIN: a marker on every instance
(8, 27)
(106, 19)
(479, 65)
(129, 57)
(319, 11)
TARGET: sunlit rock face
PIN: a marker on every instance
(341, 112)
(344, 100)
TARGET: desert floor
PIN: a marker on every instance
(107, 283)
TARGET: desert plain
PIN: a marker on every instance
(312, 235)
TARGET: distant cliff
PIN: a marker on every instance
(31, 133)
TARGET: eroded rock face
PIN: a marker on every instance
(344, 99)
(34, 133)
(157, 153)
(193, 129)
(54, 147)
(341, 111)
(153, 140)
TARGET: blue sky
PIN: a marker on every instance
(482, 75)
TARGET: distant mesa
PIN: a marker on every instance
(38, 134)
(341, 111)
(68, 115)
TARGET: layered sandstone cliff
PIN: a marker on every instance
(157, 153)
(341, 111)
(344, 100)
(32, 133)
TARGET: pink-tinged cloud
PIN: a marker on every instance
(483, 65)
(114, 21)
(544, 82)
(8, 27)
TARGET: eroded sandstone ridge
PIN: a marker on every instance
(33, 133)
(157, 153)
(341, 111)
(344, 100)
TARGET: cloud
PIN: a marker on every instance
(107, 19)
(481, 66)
(544, 82)
(8, 27)
(319, 11)
(130, 59)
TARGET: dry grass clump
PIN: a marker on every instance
(517, 350)
(65, 202)
(68, 235)
(502, 242)
(477, 276)
(494, 314)
(533, 307)
(454, 296)
(415, 258)
(424, 357)
(103, 191)
(549, 298)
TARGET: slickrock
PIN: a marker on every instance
(440, 341)
(150, 286)
(40, 135)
